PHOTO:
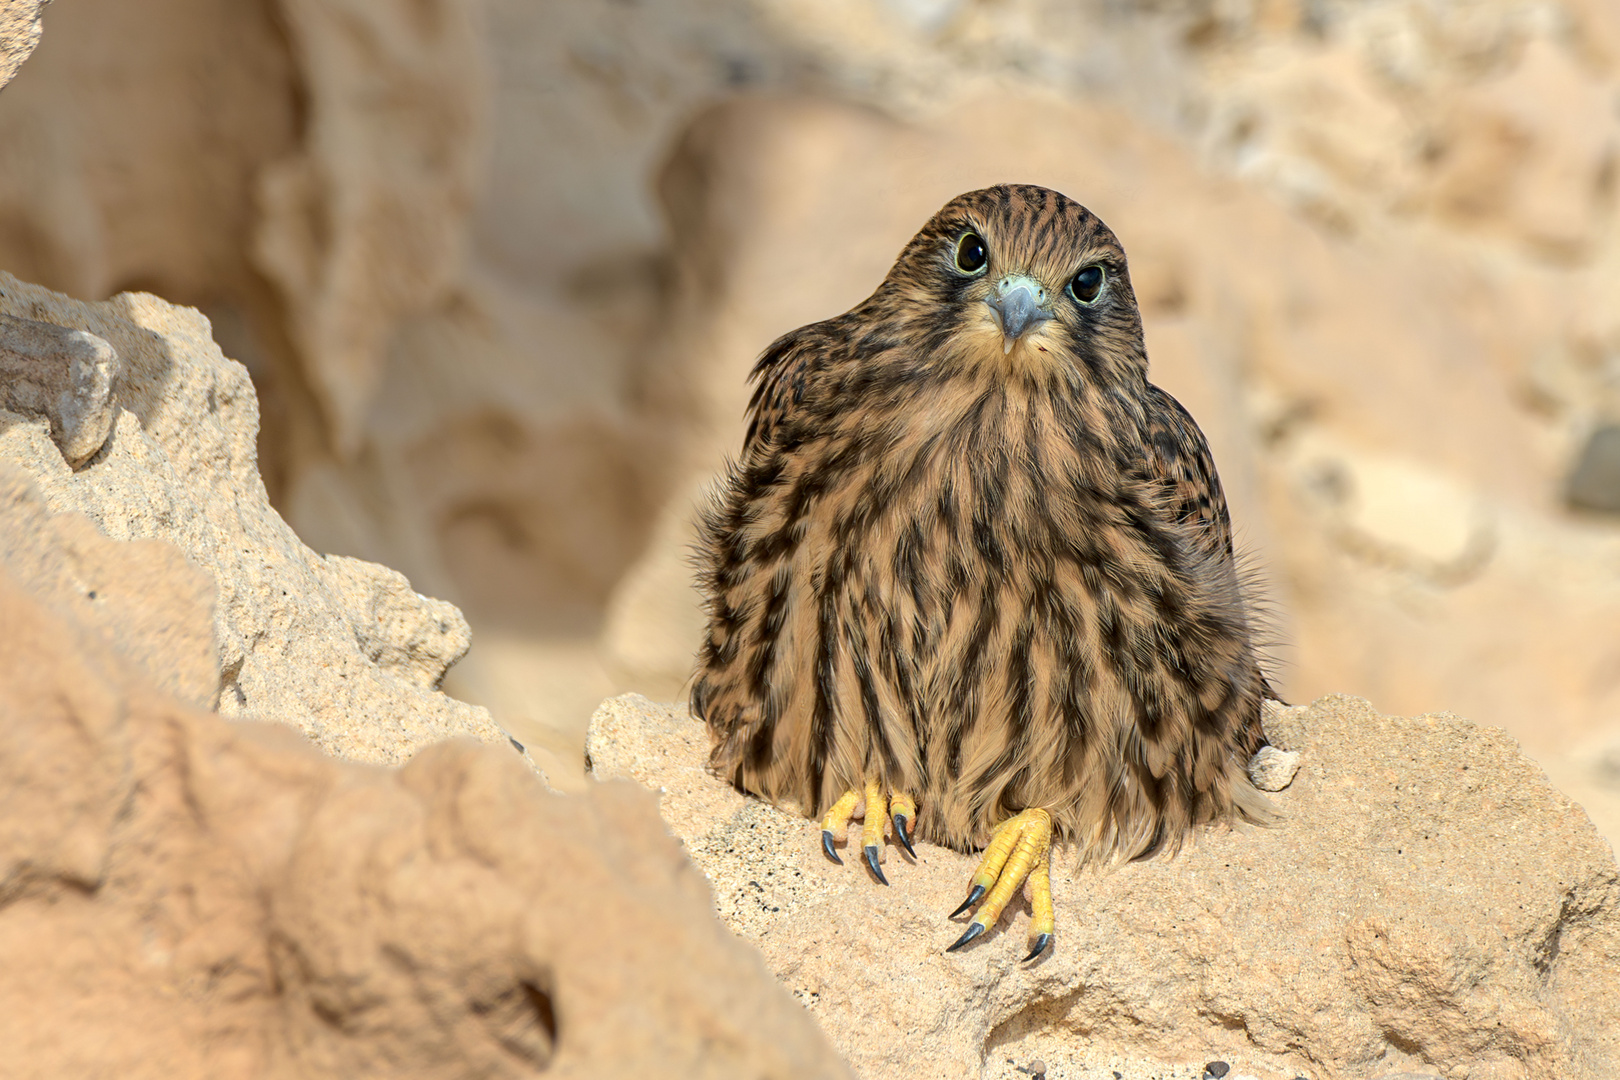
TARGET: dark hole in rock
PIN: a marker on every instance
(540, 1002)
(524, 1020)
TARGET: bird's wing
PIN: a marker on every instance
(780, 379)
(1178, 459)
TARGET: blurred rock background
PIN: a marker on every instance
(498, 270)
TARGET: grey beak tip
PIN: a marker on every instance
(1018, 311)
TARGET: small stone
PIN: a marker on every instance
(1595, 482)
(1272, 769)
(1215, 1070)
(1037, 1069)
(61, 373)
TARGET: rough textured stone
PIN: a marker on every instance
(61, 374)
(142, 594)
(1429, 900)
(340, 647)
(19, 34)
(185, 897)
(1273, 769)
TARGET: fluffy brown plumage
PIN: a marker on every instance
(991, 569)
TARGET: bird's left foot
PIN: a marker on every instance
(873, 807)
(1020, 850)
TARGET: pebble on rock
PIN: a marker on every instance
(1215, 1070)
(1272, 770)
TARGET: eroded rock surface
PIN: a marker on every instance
(185, 897)
(1430, 904)
(342, 648)
(19, 33)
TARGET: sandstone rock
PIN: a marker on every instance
(141, 596)
(184, 897)
(136, 136)
(1429, 903)
(363, 226)
(61, 374)
(342, 648)
(19, 34)
(302, 171)
(1273, 769)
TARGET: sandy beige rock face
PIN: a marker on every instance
(1431, 903)
(362, 226)
(340, 647)
(181, 896)
(301, 171)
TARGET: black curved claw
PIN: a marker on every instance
(900, 832)
(973, 898)
(871, 861)
(1041, 942)
(973, 931)
(827, 846)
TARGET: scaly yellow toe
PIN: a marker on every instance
(875, 807)
(1020, 851)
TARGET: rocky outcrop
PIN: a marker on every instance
(343, 148)
(185, 897)
(1428, 904)
(127, 413)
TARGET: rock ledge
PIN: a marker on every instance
(1431, 904)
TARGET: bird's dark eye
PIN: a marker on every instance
(1087, 284)
(970, 254)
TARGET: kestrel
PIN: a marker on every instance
(974, 571)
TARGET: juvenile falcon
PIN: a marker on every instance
(974, 571)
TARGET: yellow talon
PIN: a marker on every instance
(1020, 850)
(1042, 921)
(872, 822)
(872, 828)
(903, 811)
(835, 825)
(873, 805)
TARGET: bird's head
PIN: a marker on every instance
(1022, 279)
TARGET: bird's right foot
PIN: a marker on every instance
(876, 810)
(1020, 851)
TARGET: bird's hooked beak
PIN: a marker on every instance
(1020, 304)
